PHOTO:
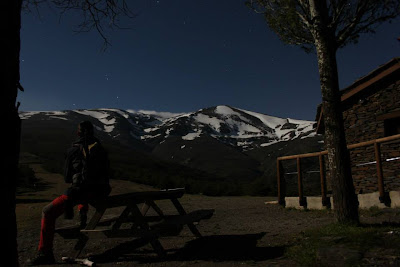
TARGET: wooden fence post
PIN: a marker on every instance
(379, 171)
(302, 199)
(281, 183)
(325, 200)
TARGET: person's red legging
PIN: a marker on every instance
(49, 215)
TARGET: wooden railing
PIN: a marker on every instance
(325, 200)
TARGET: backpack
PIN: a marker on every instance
(95, 165)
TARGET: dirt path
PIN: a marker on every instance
(244, 231)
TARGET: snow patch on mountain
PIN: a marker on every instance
(54, 114)
(210, 121)
(237, 127)
(101, 115)
(283, 126)
(225, 110)
(191, 136)
(160, 115)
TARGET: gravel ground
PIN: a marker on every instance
(243, 231)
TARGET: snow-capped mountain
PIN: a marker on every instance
(217, 144)
(237, 127)
(240, 128)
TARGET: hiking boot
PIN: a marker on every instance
(42, 258)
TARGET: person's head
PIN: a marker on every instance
(85, 128)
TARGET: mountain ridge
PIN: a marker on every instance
(216, 147)
(238, 127)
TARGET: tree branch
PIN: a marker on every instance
(96, 14)
(366, 15)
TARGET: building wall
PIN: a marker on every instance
(363, 123)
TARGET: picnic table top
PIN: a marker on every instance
(141, 226)
(139, 197)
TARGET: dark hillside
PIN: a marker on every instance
(207, 163)
(219, 159)
(49, 138)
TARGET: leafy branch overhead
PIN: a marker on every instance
(294, 23)
(95, 14)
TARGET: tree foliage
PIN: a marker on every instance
(293, 21)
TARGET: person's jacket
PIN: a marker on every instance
(87, 165)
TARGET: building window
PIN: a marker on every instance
(392, 126)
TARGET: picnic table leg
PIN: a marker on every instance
(150, 203)
(121, 218)
(182, 211)
(79, 246)
(139, 221)
(145, 208)
(90, 226)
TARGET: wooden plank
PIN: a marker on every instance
(110, 220)
(371, 142)
(73, 232)
(352, 146)
(171, 224)
(370, 81)
(391, 115)
(306, 155)
(138, 197)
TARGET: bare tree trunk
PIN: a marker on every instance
(10, 28)
(344, 198)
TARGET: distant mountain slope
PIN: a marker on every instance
(240, 128)
(215, 145)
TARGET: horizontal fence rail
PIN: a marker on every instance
(325, 200)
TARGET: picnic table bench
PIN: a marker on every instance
(147, 229)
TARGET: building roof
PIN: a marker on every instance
(355, 90)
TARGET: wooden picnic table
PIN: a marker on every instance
(147, 229)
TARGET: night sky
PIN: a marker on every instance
(180, 56)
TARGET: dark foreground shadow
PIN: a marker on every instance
(383, 224)
(30, 201)
(217, 248)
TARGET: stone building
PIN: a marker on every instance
(371, 110)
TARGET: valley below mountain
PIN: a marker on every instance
(215, 151)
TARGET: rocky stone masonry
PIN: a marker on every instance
(363, 123)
